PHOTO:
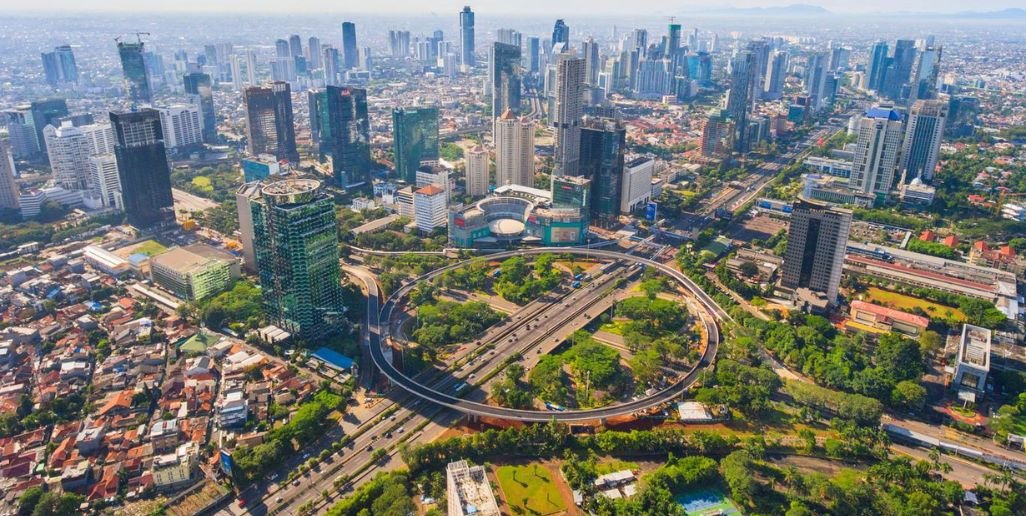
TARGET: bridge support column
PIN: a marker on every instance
(602, 421)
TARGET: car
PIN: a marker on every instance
(392, 418)
(388, 435)
(242, 503)
(471, 375)
(278, 500)
(295, 482)
(370, 448)
(402, 429)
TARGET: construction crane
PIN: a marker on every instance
(138, 37)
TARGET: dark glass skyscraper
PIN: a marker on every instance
(603, 145)
(505, 73)
(467, 37)
(269, 121)
(349, 52)
(59, 66)
(344, 128)
(295, 243)
(878, 62)
(143, 168)
(415, 139)
(533, 54)
(198, 84)
(816, 241)
(43, 113)
(739, 100)
(133, 65)
(560, 33)
(899, 70)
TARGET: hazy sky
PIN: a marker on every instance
(522, 7)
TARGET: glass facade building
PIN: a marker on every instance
(270, 128)
(415, 140)
(343, 127)
(603, 144)
(198, 84)
(133, 65)
(143, 168)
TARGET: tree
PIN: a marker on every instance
(749, 269)
(28, 500)
(901, 358)
(908, 395)
(930, 341)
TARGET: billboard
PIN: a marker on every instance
(650, 211)
(226, 462)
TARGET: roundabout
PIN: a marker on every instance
(708, 314)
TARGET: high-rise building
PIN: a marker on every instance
(924, 85)
(776, 71)
(820, 83)
(182, 126)
(137, 78)
(399, 43)
(313, 52)
(332, 66)
(430, 206)
(295, 46)
(467, 38)
(816, 244)
(504, 70)
(899, 70)
(567, 109)
(68, 151)
(533, 54)
(739, 98)
(59, 66)
(198, 85)
(715, 133)
(591, 61)
(351, 58)
(415, 140)
(246, 193)
(143, 168)
(269, 121)
(295, 242)
(923, 135)
(876, 151)
(514, 150)
(8, 187)
(476, 164)
(509, 37)
(603, 146)
(42, 113)
(251, 68)
(103, 172)
(561, 34)
(878, 62)
(344, 129)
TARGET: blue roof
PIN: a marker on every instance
(333, 357)
(883, 112)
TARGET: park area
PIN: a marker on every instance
(903, 302)
(530, 489)
(706, 502)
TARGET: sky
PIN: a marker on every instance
(505, 7)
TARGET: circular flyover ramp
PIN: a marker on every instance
(709, 314)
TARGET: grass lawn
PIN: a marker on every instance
(903, 302)
(149, 248)
(531, 483)
(614, 327)
(203, 183)
(614, 465)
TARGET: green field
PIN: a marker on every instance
(614, 465)
(203, 183)
(903, 302)
(614, 327)
(531, 483)
(149, 248)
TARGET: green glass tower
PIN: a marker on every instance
(603, 143)
(415, 139)
(295, 239)
(137, 81)
(343, 129)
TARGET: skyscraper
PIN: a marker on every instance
(560, 34)
(143, 168)
(349, 53)
(878, 62)
(591, 61)
(820, 85)
(467, 38)
(504, 70)
(533, 54)
(198, 85)
(8, 187)
(137, 78)
(476, 164)
(566, 112)
(924, 85)
(295, 46)
(415, 140)
(514, 150)
(776, 70)
(344, 129)
(269, 121)
(739, 98)
(816, 243)
(68, 152)
(923, 135)
(43, 113)
(603, 145)
(295, 241)
(313, 52)
(59, 66)
(876, 151)
(899, 70)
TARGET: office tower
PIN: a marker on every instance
(103, 178)
(640, 39)
(572, 192)
(295, 46)
(839, 58)
(281, 48)
(332, 66)
(924, 86)
(816, 243)
(366, 60)
(566, 112)
(295, 242)
(476, 164)
(739, 98)
(533, 54)
(693, 40)
(673, 39)
(430, 208)
(143, 168)
(899, 69)
(244, 196)
(715, 132)
(351, 58)
(198, 85)
(963, 113)
(133, 65)
(509, 37)
(923, 136)
(399, 43)
(820, 82)
(876, 151)
(654, 78)
(514, 150)
(878, 62)
(504, 69)
(467, 38)
(591, 61)
(561, 34)
(603, 144)
(313, 52)
(251, 67)
(775, 72)
(344, 129)
(415, 140)
(59, 66)
(68, 151)
(42, 113)
(182, 126)
(269, 121)
(8, 187)
(238, 80)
